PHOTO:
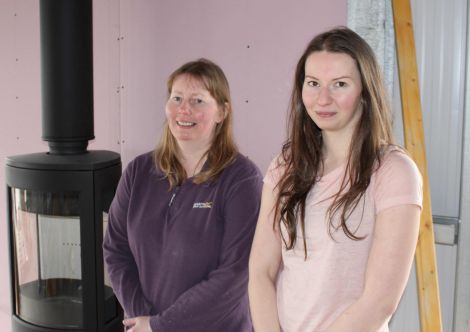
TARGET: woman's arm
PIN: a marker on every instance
(117, 254)
(123, 273)
(388, 268)
(265, 259)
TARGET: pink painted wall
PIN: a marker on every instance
(257, 43)
(136, 45)
(19, 108)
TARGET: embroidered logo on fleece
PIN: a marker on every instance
(202, 205)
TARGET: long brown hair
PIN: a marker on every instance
(223, 149)
(302, 156)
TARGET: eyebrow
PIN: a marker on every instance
(334, 79)
(199, 93)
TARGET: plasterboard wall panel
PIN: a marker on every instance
(20, 105)
(257, 44)
(106, 79)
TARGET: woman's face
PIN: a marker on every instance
(331, 91)
(192, 113)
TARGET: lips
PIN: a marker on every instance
(324, 114)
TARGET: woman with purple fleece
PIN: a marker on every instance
(183, 217)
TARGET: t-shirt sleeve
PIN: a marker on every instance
(397, 182)
(274, 172)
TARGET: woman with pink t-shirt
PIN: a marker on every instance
(341, 204)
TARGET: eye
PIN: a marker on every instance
(340, 84)
(196, 101)
(176, 99)
(313, 83)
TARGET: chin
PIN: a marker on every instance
(183, 138)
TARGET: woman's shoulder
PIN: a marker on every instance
(243, 166)
(397, 180)
(242, 175)
(276, 170)
(143, 163)
(144, 158)
(396, 156)
(397, 163)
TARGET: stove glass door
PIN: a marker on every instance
(48, 276)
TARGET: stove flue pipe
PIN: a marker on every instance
(67, 74)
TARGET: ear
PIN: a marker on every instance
(223, 111)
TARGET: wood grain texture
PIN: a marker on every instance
(426, 267)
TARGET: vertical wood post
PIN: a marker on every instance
(425, 258)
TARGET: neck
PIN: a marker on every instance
(335, 150)
(191, 158)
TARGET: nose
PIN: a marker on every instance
(184, 107)
(324, 96)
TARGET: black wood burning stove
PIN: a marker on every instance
(58, 201)
(58, 208)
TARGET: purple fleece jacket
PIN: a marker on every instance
(181, 256)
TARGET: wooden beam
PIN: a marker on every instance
(425, 258)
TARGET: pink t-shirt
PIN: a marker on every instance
(312, 293)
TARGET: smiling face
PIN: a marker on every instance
(331, 92)
(192, 113)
